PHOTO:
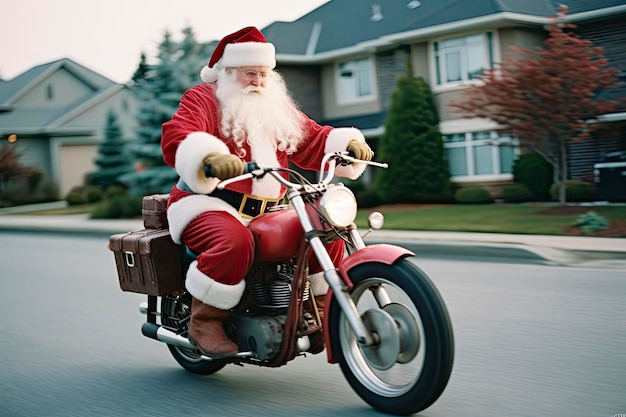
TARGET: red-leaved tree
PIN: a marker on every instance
(546, 96)
(10, 166)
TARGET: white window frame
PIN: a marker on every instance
(341, 75)
(439, 54)
(495, 139)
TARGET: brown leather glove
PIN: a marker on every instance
(360, 150)
(224, 166)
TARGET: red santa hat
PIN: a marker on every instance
(245, 48)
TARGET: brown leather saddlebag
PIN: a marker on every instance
(148, 261)
(154, 211)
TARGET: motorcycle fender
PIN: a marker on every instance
(381, 253)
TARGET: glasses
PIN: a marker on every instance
(252, 75)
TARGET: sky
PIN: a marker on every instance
(109, 36)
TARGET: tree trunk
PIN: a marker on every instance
(562, 184)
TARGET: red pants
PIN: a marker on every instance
(226, 247)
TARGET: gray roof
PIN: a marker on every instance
(10, 88)
(341, 24)
(43, 121)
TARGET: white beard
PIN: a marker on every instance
(259, 115)
(267, 119)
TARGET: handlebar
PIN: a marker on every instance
(249, 167)
(253, 170)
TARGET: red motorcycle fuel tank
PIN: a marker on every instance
(277, 235)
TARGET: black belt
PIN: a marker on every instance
(246, 205)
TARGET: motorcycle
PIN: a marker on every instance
(385, 323)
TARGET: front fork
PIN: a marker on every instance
(337, 278)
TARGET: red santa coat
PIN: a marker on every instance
(194, 131)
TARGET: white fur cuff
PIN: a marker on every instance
(211, 292)
(337, 141)
(319, 286)
(190, 160)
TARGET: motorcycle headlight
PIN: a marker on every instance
(339, 206)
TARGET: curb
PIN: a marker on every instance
(512, 253)
(429, 245)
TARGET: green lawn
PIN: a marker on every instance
(488, 218)
(491, 218)
(76, 209)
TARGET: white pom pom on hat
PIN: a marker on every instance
(245, 48)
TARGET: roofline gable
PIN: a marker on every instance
(74, 68)
(86, 105)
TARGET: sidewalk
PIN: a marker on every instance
(549, 250)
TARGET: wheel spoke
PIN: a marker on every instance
(399, 376)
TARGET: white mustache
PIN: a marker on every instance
(253, 89)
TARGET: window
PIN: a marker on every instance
(49, 92)
(462, 59)
(480, 153)
(355, 80)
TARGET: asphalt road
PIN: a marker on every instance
(531, 340)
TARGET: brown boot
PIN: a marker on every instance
(206, 331)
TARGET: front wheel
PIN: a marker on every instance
(410, 365)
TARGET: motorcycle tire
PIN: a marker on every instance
(410, 366)
(176, 309)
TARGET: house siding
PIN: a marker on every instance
(58, 112)
(389, 66)
(611, 36)
(65, 89)
(305, 86)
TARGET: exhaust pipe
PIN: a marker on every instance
(160, 333)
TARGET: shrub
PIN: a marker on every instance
(591, 222)
(368, 198)
(516, 193)
(575, 191)
(533, 171)
(114, 190)
(75, 196)
(83, 195)
(473, 195)
(118, 207)
(92, 194)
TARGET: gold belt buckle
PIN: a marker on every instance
(263, 201)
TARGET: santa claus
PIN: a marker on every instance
(242, 112)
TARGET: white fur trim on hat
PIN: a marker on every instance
(211, 292)
(249, 54)
(190, 160)
(337, 141)
(183, 211)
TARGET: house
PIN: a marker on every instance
(341, 62)
(56, 113)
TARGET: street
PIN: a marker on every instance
(531, 340)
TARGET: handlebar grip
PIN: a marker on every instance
(249, 167)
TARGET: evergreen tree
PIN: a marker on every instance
(112, 160)
(141, 71)
(160, 87)
(413, 147)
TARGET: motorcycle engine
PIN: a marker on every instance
(271, 286)
(259, 327)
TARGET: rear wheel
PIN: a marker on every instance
(410, 365)
(175, 315)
